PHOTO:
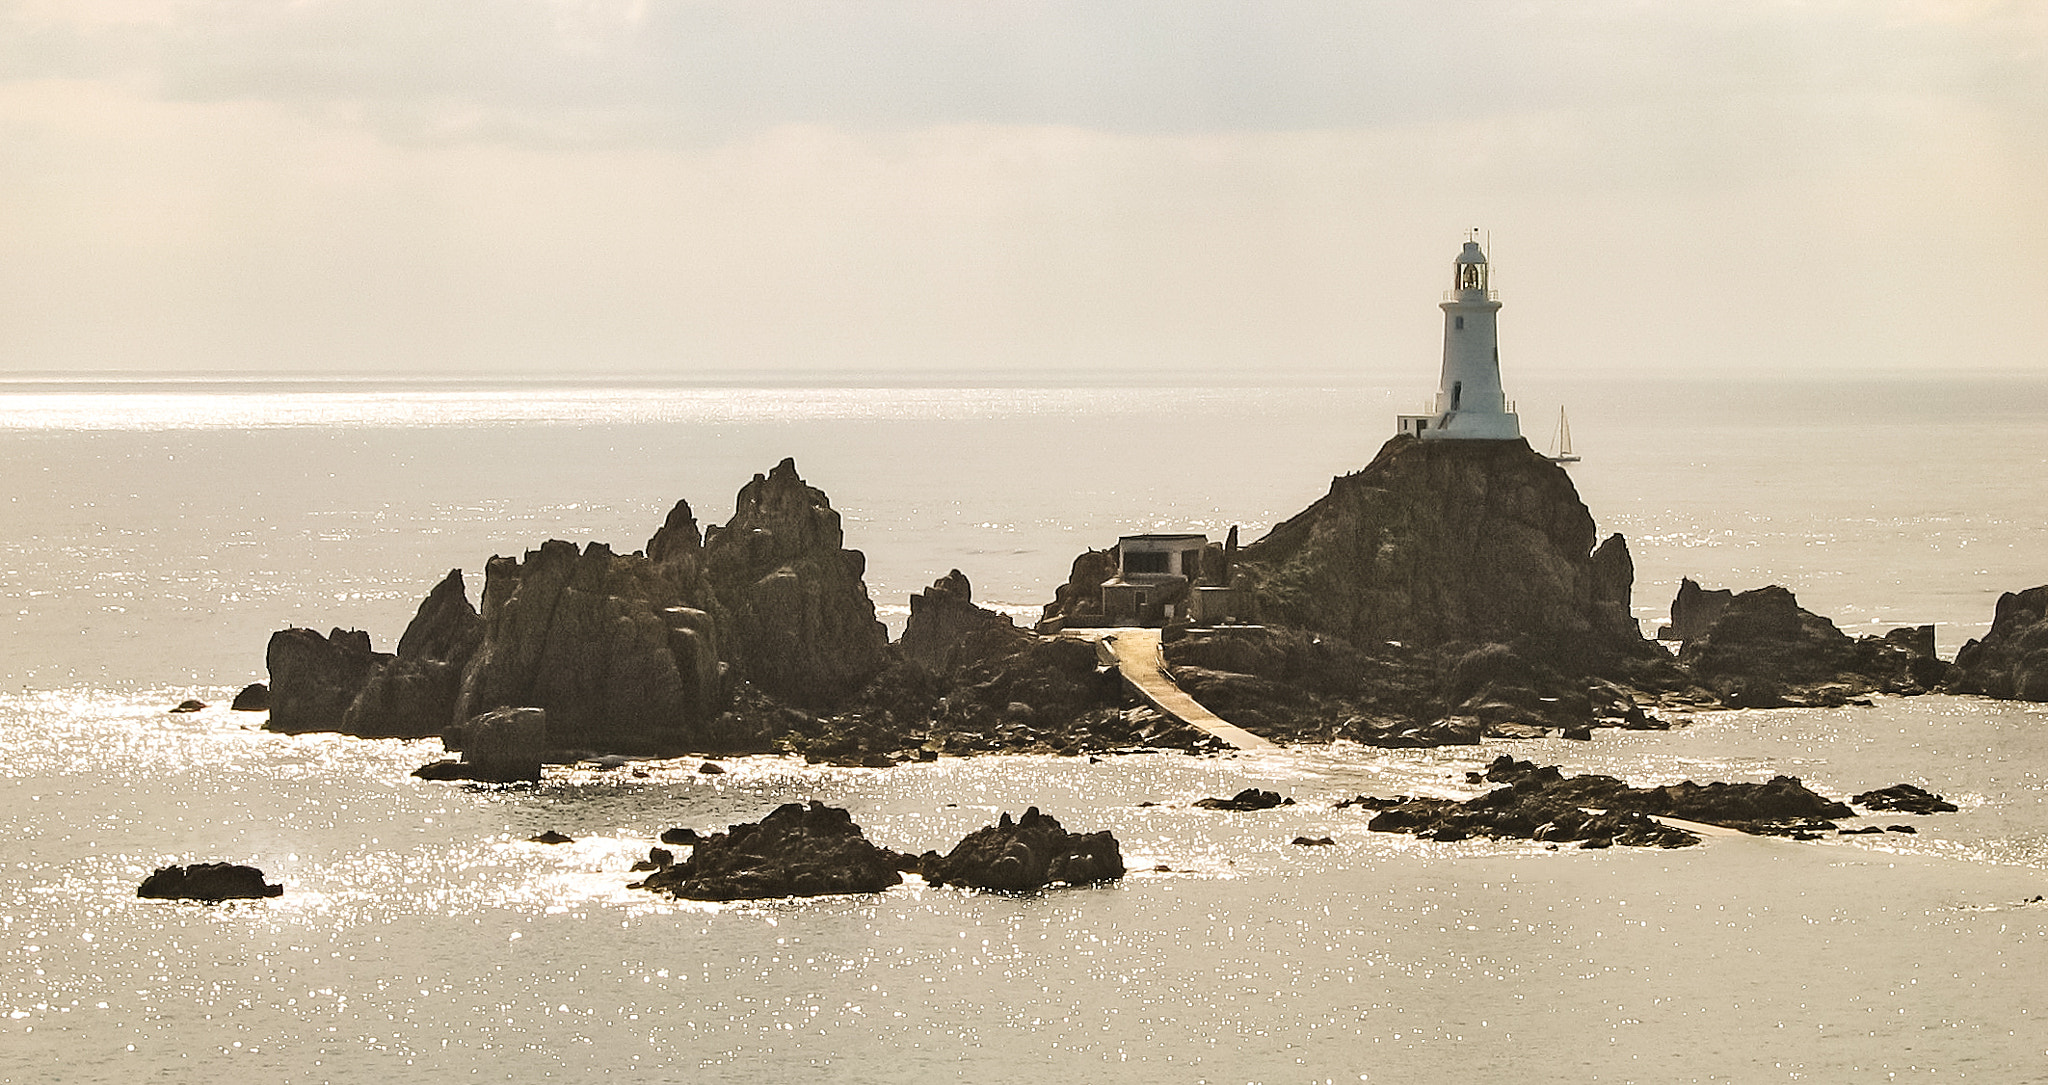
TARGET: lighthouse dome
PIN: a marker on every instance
(1471, 254)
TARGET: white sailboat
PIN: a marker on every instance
(1562, 443)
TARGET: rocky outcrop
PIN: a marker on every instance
(803, 627)
(505, 745)
(1078, 602)
(605, 643)
(1904, 799)
(2011, 661)
(797, 851)
(1250, 798)
(1437, 542)
(314, 679)
(254, 697)
(1030, 853)
(1694, 610)
(947, 632)
(413, 694)
(1541, 803)
(1765, 651)
(208, 881)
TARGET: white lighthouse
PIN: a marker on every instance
(1470, 405)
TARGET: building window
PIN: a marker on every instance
(1459, 323)
(1145, 561)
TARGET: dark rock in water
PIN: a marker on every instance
(551, 837)
(444, 769)
(803, 626)
(605, 643)
(680, 836)
(505, 745)
(946, 631)
(1250, 798)
(796, 851)
(1314, 842)
(1447, 541)
(711, 768)
(413, 694)
(1577, 734)
(1904, 799)
(190, 706)
(1900, 829)
(1541, 803)
(2011, 661)
(657, 859)
(1370, 802)
(1860, 832)
(255, 697)
(1030, 853)
(1765, 651)
(314, 679)
(1694, 610)
(207, 881)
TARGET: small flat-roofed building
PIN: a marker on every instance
(1154, 578)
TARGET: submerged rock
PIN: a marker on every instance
(1250, 798)
(2011, 661)
(1904, 799)
(208, 881)
(796, 851)
(255, 697)
(1030, 853)
(1541, 803)
(190, 706)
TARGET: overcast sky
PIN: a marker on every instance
(367, 186)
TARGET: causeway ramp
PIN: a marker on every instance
(1136, 654)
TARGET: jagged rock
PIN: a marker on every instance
(1694, 610)
(680, 835)
(208, 881)
(1443, 541)
(604, 643)
(314, 679)
(2011, 661)
(803, 627)
(796, 851)
(946, 631)
(1078, 602)
(1765, 651)
(505, 745)
(255, 697)
(1030, 853)
(1250, 798)
(1904, 799)
(551, 837)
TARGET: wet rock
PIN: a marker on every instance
(657, 859)
(551, 837)
(1900, 829)
(313, 679)
(711, 768)
(2011, 661)
(797, 851)
(207, 881)
(1370, 802)
(1030, 853)
(445, 769)
(190, 706)
(680, 835)
(1904, 799)
(1250, 798)
(1314, 842)
(505, 745)
(255, 697)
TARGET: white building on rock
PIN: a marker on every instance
(1470, 405)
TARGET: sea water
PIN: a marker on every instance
(158, 531)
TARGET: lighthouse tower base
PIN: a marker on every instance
(1474, 426)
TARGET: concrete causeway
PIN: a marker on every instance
(1135, 652)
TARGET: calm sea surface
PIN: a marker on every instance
(157, 532)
